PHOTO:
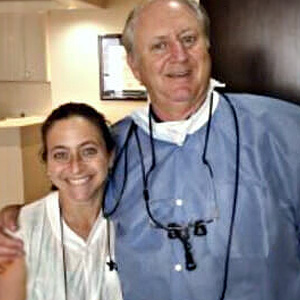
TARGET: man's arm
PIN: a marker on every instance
(13, 281)
(10, 247)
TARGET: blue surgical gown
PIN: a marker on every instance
(265, 251)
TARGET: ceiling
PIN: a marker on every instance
(7, 6)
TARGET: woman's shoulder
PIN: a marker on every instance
(37, 207)
(33, 215)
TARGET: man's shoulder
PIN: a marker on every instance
(258, 104)
(266, 111)
(124, 122)
(270, 118)
(120, 129)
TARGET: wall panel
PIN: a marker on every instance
(256, 45)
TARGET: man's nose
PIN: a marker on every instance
(178, 51)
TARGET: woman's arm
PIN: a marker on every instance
(13, 281)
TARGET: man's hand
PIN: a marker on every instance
(10, 247)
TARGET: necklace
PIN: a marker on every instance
(111, 264)
(63, 251)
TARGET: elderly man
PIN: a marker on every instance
(205, 192)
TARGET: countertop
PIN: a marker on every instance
(21, 121)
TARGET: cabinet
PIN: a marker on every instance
(11, 171)
(23, 47)
(22, 175)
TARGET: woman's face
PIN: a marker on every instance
(77, 159)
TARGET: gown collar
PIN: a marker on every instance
(176, 131)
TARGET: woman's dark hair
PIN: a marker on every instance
(69, 110)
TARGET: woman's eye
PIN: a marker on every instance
(61, 156)
(89, 152)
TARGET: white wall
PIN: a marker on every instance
(73, 55)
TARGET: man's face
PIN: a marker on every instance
(171, 57)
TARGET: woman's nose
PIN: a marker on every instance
(76, 163)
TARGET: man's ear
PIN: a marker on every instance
(132, 62)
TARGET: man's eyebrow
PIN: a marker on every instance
(165, 36)
(189, 29)
(159, 37)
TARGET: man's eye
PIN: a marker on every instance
(189, 40)
(159, 46)
(61, 156)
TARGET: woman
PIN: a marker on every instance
(65, 233)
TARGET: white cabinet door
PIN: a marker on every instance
(35, 47)
(23, 47)
(11, 170)
(11, 47)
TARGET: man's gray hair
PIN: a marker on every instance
(129, 28)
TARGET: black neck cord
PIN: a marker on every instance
(204, 159)
(237, 164)
(124, 149)
(174, 230)
(146, 175)
(111, 264)
(152, 143)
(63, 251)
(235, 197)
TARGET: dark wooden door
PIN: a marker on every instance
(255, 45)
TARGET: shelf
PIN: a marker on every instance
(21, 121)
